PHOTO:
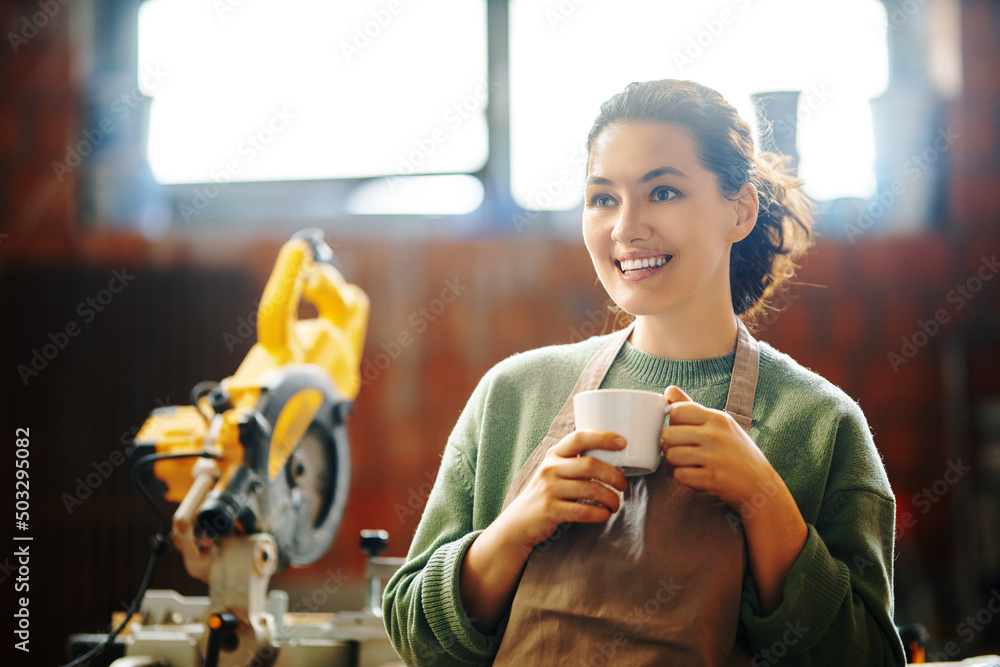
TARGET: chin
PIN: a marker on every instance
(638, 307)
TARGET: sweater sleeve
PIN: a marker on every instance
(837, 607)
(422, 605)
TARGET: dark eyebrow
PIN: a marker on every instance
(662, 171)
(649, 176)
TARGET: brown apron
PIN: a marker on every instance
(658, 584)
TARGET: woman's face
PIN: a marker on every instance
(655, 223)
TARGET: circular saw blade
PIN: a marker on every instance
(310, 474)
(306, 496)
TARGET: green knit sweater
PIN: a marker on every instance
(837, 607)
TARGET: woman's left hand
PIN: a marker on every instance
(711, 452)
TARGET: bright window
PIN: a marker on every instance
(568, 57)
(276, 91)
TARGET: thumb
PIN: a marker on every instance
(675, 394)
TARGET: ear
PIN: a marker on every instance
(745, 203)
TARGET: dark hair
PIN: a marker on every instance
(763, 262)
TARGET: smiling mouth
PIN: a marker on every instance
(633, 266)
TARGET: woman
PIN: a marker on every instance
(766, 535)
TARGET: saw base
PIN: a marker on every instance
(175, 626)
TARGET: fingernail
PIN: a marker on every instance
(618, 441)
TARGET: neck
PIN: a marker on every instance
(706, 337)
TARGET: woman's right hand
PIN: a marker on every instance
(495, 559)
(561, 481)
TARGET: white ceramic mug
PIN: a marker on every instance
(638, 416)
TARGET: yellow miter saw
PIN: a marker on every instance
(260, 467)
(274, 431)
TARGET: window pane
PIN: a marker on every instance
(834, 53)
(312, 89)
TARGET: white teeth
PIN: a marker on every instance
(645, 263)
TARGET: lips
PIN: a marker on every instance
(640, 264)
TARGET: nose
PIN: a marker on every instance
(629, 226)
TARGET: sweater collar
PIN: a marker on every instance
(660, 372)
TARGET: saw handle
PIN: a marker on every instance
(279, 305)
(306, 269)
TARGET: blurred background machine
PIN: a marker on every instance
(260, 467)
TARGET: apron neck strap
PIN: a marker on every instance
(743, 385)
(591, 378)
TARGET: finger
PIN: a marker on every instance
(571, 511)
(689, 412)
(675, 394)
(588, 467)
(685, 455)
(695, 477)
(591, 492)
(577, 442)
(680, 435)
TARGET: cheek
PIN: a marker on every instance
(593, 238)
(598, 247)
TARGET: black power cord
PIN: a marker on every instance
(159, 546)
